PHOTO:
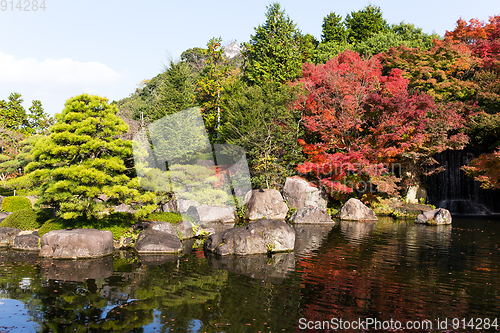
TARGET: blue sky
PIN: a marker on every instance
(107, 47)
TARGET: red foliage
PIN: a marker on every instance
(486, 169)
(367, 122)
(482, 38)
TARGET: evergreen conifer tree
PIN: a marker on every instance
(82, 159)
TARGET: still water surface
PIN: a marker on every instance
(351, 271)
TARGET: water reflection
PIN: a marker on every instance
(262, 267)
(77, 270)
(355, 232)
(398, 271)
(309, 237)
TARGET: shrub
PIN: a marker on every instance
(24, 219)
(12, 204)
(52, 224)
(173, 218)
(118, 223)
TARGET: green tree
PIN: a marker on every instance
(364, 23)
(261, 120)
(333, 29)
(82, 159)
(273, 53)
(402, 34)
(195, 58)
(39, 122)
(12, 114)
(176, 91)
(211, 85)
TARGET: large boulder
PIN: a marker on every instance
(265, 204)
(29, 242)
(7, 236)
(355, 210)
(205, 213)
(156, 241)
(76, 243)
(300, 193)
(311, 215)
(261, 236)
(435, 216)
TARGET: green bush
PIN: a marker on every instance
(173, 218)
(24, 219)
(52, 224)
(12, 204)
(118, 223)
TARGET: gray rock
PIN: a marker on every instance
(300, 193)
(3, 215)
(183, 205)
(76, 243)
(265, 204)
(163, 227)
(185, 230)
(208, 213)
(153, 241)
(29, 242)
(261, 236)
(435, 216)
(123, 208)
(170, 207)
(355, 210)
(311, 215)
(7, 236)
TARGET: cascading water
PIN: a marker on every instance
(453, 190)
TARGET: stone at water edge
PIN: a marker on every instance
(311, 215)
(76, 243)
(299, 193)
(355, 210)
(261, 236)
(30, 242)
(265, 204)
(436, 216)
(7, 236)
(154, 241)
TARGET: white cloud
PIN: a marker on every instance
(53, 81)
(60, 72)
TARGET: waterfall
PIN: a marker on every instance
(453, 190)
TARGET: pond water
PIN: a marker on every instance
(372, 272)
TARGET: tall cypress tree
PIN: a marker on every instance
(273, 53)
(82, 159)
(333, 29)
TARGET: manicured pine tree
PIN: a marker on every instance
(82, 159)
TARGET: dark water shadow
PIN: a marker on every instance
(77, 270)
(266, 268)
(310, 237)
(356, 232)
